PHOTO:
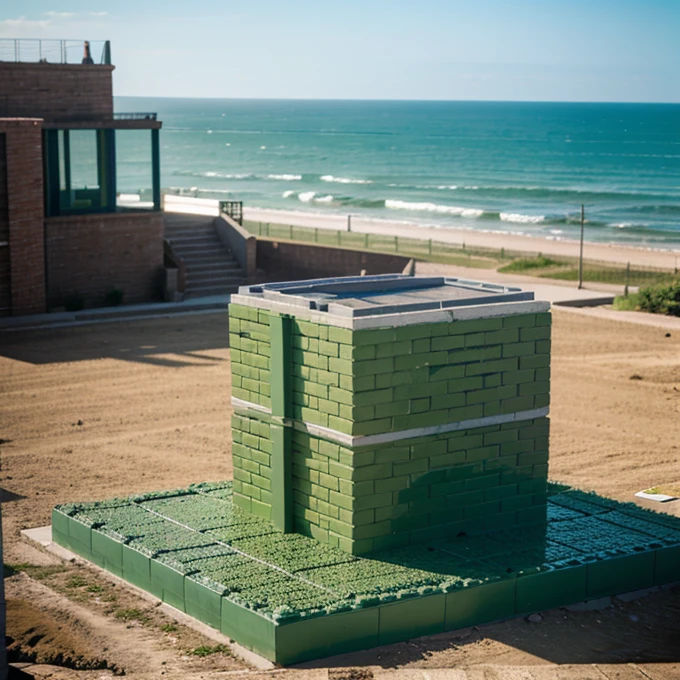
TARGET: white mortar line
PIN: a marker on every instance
(388, 437)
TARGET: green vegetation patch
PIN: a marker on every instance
(530, 263)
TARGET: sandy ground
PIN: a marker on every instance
(606, 252)
(94, 411)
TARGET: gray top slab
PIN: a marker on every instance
(363, 296)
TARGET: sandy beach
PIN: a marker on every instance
(605, 252)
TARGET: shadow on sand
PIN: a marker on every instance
(169, 342)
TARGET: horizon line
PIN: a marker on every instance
(433, 101)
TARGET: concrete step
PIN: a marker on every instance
(189, 235)
(209, 266)
(213, 281)
(199, 246)
(202, 262)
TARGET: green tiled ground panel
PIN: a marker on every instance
(446, 585)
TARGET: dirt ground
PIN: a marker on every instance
(96, 411)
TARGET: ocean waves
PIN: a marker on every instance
(431, 212)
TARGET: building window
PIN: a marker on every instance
(105, 170)
(134, 169)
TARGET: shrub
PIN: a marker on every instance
(661, 298)
(524, 264)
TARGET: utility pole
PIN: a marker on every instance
(580, 257)
(349, 223)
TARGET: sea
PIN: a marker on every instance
(520, 167)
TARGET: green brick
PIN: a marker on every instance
(340, 335)
(520, 321)
(397, 408)
(411, 361)
(447, 342)
(365, 368)
(422, 345)
(364, 353)
(517, 404)
(374, 336)
(491, 366)
(393, 349)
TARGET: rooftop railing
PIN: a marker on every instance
(54, 51)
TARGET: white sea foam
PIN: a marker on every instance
(522, 219)
(324, 199)
(227, 144)
(263, 147)
(433, 207)
(284, 177)
(452, 187)
(344, 180)
(287, 194)
(306, 196)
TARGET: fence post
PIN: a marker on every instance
(366, 240)
(429, 247)
(580, 254)
(316, 234)
(625, 290)
(396, 244)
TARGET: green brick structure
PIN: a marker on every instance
(381, 411)
(390, 447)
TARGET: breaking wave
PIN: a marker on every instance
(433, 208)
(344, 180)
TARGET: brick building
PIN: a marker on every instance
(80, 206)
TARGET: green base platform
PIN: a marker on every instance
(292, 599)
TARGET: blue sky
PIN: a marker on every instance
(540, 50)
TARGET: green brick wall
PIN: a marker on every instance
(251, 454)
(387, 380)
(373, 382)
(250, 343)
(405, 492)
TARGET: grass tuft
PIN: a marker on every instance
(529, 263)
(207, 650)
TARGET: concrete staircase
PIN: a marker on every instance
(210, 267)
